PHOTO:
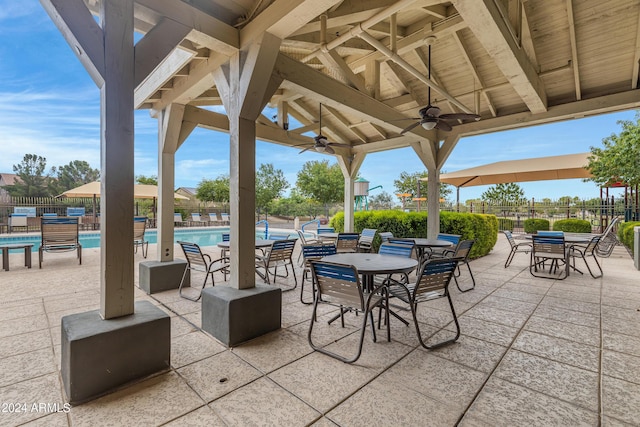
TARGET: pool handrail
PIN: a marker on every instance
(266, 227)
(313, 221)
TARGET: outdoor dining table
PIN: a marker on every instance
(368, 265)
(260, 244)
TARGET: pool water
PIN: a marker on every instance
(203, 237)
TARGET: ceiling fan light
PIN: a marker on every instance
(320, 148)
(429, 124)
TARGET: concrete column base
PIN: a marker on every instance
(234, 316)
(99, 356)
(156, 276)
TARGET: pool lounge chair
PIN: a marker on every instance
(197, 220)
(139, 227)
(177, 219)
(59, 235)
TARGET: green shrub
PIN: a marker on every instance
(482, 228)
(625, 233)
(505, 224)
(533, 225)
(572, 226)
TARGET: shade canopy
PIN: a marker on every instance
(537, 169)
(140, 191)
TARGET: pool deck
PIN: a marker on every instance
(532, 352)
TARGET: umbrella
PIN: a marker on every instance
(140, 191)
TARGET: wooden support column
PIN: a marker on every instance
(350, 165)
(116, 152)
(245, 84)
(170, 136)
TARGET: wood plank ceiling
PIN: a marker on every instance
(514, 62)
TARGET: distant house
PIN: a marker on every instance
(189, 192)
(7, 179)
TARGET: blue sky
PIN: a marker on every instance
(49, 106)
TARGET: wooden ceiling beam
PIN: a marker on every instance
(574, 50)
(487, 23)
(635, 73)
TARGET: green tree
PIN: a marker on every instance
(321, 182)
(214, 190)
(32, 180)
(381, 201)
(147, 180)
(408, 183)
(270, 183)
(619, 157)
(75, 174)
(504, 194)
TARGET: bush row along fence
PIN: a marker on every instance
(597, 212)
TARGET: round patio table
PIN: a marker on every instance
(260, 244)
(423, 243)
(369, 265)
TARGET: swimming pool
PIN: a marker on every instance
(201, 236)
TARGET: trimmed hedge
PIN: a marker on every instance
(625, 233)
(482, 228)
(505, 224)
(533, 225)
(572, 226)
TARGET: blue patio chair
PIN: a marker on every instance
(549, 248)
(433, 282)
(339, 285)
(515, 247)
(347, 242)
(453, 238)
(461, 253)
(313, 252)
(583, 251)
(403, 249)
(366, 240)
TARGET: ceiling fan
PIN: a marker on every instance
(430, 116)
(321, 144)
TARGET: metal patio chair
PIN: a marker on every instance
(59, 235)
(139, 227)
(584, 251)
(278, 255)
(432, 283)
(313, 252)
(198, 261)
(365, 241)
(402, 248)
(552, 249)
(523, 247)
(347, 242)
(339, 285)
(461, 252)
(453, 238)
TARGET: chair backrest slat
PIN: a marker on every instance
(194, 256)
(396, 249)
(453, 238)
(463, 249)
(548, 244)
(510, 239)
(60, 231)
(322, 230)
(385, 236)
(282, 250)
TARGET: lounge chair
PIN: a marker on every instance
(59, 235)
(213, 219)
(197, 261)
(385, 236)
(177, 219)
(339, 285)
(226, 220)
(139, 227)
(18, 220)
(197, 220)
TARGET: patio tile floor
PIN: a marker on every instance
(532, 352)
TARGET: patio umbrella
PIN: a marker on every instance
(140, 191)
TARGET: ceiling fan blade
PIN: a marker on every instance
(308, 148)
(408, 128)
(328, 149)
(442, 125)
(460, 116)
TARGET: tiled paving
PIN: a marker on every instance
(532, 352)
